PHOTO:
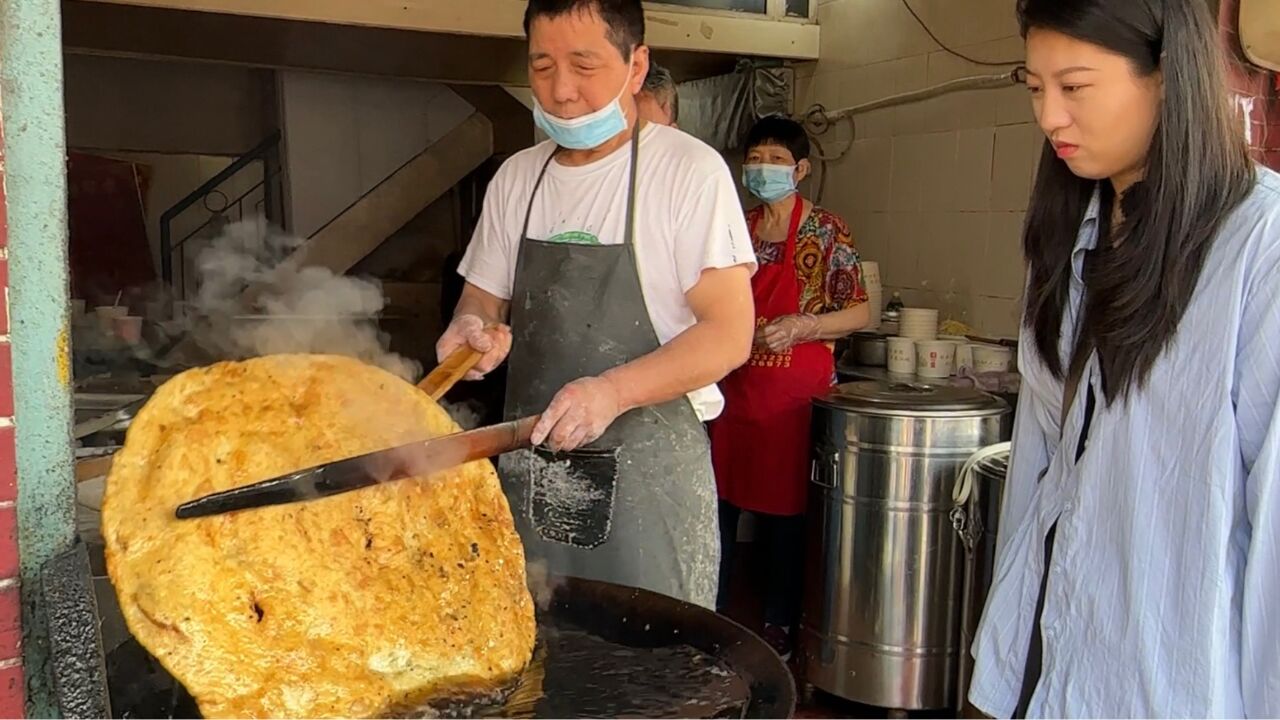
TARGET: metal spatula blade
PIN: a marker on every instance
(412, 460)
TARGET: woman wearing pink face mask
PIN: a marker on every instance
(808, 291)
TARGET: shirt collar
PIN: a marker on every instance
(1087, 237)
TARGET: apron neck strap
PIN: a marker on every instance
(528, 211)
(629, 238)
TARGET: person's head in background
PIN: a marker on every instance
(659, 100)
(776, 158)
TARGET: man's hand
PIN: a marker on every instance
(494, 341)
(578, 414)
(788, 331)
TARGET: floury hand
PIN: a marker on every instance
(579, 414)
(493, 340)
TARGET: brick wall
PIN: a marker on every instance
(12, 701)
(1257, 92)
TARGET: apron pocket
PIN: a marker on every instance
(571, 496)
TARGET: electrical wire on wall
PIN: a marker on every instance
(816, 112)
(818, 121)
(957, 53)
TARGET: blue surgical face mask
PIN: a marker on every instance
(770, 183)
(588, 131)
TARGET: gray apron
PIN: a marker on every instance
(638, 506)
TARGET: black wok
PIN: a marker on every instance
(601, 646)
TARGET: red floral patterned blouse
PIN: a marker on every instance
(827, 263)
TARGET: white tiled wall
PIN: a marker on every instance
(935, 191)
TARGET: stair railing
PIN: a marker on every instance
(270, 206)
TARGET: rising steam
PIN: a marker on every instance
(293, 309)
(542, 582)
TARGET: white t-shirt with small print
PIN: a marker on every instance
(688, 219)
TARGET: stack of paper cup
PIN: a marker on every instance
(992, 358)
(964, 358)
(875, 291)
(919, 323)
(901, 356)
(935, 358)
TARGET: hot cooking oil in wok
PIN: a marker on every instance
(577, 674)
(573, 674)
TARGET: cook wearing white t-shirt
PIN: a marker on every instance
(688, 219)
(613, 264)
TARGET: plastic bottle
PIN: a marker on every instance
(895, 303)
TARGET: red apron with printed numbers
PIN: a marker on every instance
(760, 443)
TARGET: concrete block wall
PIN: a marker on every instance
(934, 191)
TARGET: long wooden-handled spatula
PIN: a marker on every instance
(448, 373)
(413, 460)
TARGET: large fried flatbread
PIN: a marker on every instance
(349, 606)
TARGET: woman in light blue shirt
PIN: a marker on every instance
(1138, 568)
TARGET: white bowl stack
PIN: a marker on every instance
(875, 292)
(919, 323)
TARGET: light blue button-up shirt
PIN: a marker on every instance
(1163, 595)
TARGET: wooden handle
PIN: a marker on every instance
(448, 373)
(438, 382)
(499, 439)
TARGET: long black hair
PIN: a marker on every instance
(1198, 170)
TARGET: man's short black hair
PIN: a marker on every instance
(625, 18)
(778, 130)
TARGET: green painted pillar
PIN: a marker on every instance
(36, 183)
